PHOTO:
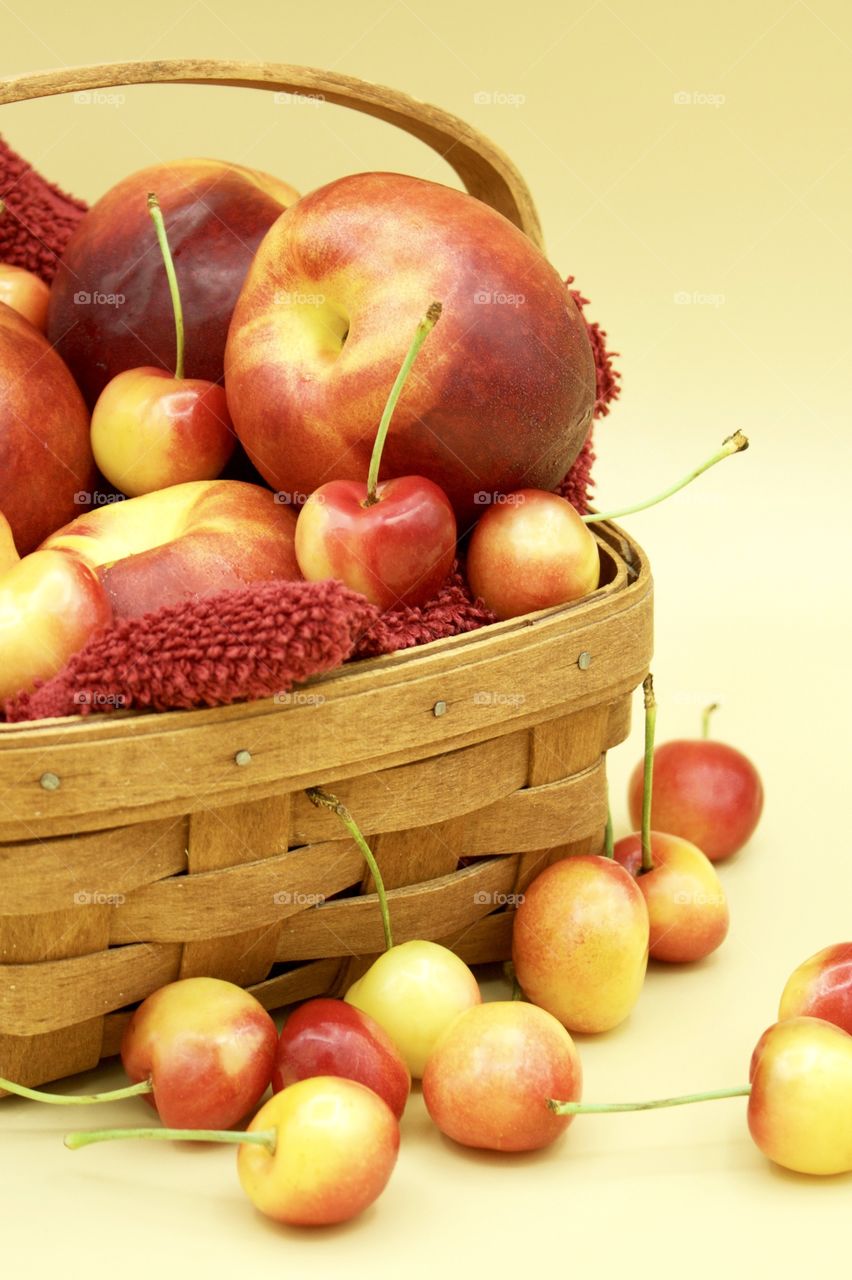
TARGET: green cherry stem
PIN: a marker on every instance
(259, 1138)
(422, 331)
(77, 1100)
(325, 800)
(705, 718)
(163, 241)
(650, 728)
(602, 1108)
(734, 444)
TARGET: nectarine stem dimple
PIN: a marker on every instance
(77, 1100)
(590, 1108)
(705, 718)
(325, 800)
(650, 728)
(422, 331)
(734, 444)
(259, 1138)
(163, 241)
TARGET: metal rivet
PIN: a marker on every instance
(242, 757)
(50, 782)
(584, 660)
(439, 709)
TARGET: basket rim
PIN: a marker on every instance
(632, 574)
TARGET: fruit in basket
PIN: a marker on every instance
(488, 1079)
(25, 293)
(503, 396)
(414, 991)
(706, 791)
(687, 907)
(327, 1037)
(47, 472)
(580, 942)
(821, 987)
(800, 1105)
(152, 429)
(394, 542)
(109, 305)
(50, 603)
(317, 1153)
(185, 542)
(531, 550)
(208, 1048)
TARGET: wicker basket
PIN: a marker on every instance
(136, 849)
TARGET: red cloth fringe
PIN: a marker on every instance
(259, 640)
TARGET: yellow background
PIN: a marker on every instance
(737, 199)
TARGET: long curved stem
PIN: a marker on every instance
(648, 785)
(734, 444)
(163, 241)
(325, 800)
(705, 718)
(86, 1137)
(420, 334)
(77, 1100)
(603, 1108)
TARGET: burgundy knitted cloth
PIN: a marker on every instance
(260, 640)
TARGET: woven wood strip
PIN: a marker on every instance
(53, 935)
(422, 792)
(50, 1055)
(60, 993)
(49, 875)
(217, 903)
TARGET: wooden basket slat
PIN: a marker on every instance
(35, 1057)
(53, 935)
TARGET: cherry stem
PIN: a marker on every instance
(163, 241)
(591, 1108)
(650, 727)
(734, 444)
(259, 1137)
(609, 846)
(422, 331)
(705, 718)
(325, 800)
(77, 1100)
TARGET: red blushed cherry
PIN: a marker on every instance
(394, 542)
(328, 1037)
(208, 1048)
(821, 987)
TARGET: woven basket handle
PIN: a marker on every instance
(485, 170)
